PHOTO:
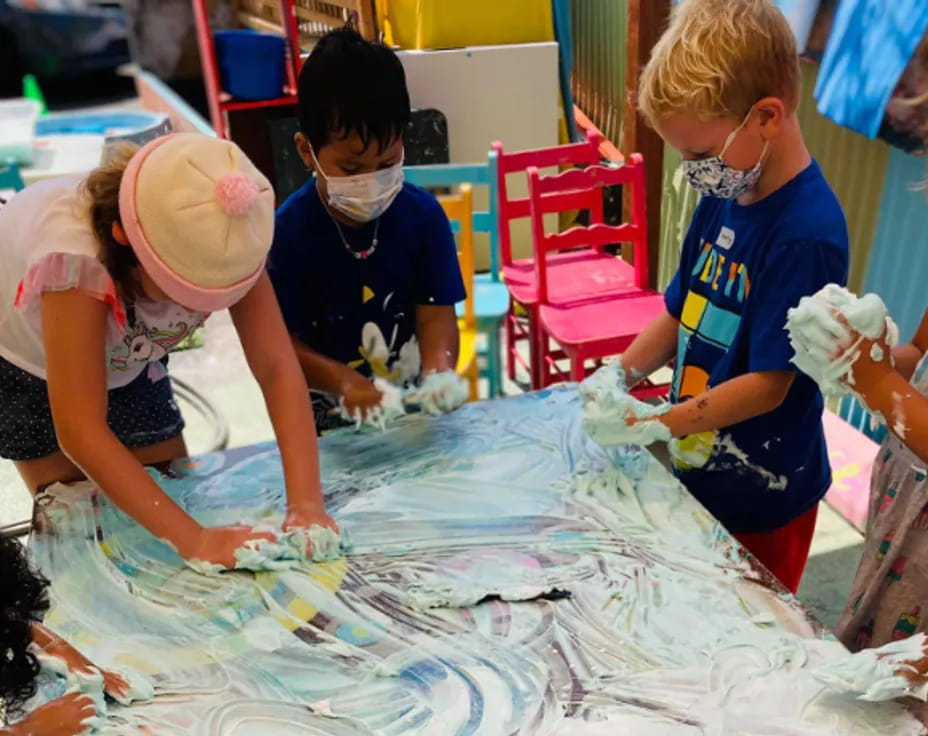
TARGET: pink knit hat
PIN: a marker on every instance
(199, 217)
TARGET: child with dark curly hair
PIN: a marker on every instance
(23, 602)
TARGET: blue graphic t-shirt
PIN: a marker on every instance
(741, 269)
(362, 312)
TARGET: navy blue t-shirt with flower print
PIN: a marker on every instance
(741, 269)
(362, 311)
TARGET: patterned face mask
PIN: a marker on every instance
(714, 178)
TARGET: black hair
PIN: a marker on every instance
(350, 85)
(23, 601)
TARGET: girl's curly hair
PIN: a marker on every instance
(23, 600)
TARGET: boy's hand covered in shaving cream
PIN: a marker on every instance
(389, 406)
(603, 382)
(359, 397)
(439, 393)
(611, 416)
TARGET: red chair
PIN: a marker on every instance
(593, 325)
(579, 274)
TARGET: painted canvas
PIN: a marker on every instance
(507, 576)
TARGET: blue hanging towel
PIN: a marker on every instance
(870, 44)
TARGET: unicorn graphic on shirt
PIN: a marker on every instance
(141, 345)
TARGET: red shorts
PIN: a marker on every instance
(784, 551)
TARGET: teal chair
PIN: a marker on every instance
(491, 298)
(9, 176)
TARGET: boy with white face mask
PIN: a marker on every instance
(364, 265)
(722, 87)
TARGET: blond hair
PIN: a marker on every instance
(102, 189)
(718, 58)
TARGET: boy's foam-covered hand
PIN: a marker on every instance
(359, 397)
(389, 407)
(440, 393)
(612, 416)
(603, 382)
(68, 715)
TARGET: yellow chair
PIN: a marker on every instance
(459, 209)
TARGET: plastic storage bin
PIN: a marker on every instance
(17, 129)
(443, 24)
(251, 65)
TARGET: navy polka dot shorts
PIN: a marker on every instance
(141, 413)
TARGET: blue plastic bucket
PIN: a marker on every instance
(251, 65)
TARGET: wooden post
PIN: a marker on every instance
(647, 20)
(367, 19)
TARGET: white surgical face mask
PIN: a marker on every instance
(714, 178)
(363, 197)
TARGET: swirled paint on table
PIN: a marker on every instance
(666, 630)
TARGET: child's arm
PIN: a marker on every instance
(731, 402)
(55, 646)
(65, 716)
(907, 356)
(889, 392)
(437, 333)
(322, 373)
(271, 358)
(652, 349)
(74, 327)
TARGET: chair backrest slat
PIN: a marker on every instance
(459, 208)
(509, 208)
(453, 175)
(572, 190)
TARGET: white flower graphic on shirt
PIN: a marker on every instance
(376, 352)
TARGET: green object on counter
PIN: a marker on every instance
(32, 91)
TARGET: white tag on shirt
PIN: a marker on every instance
(726, 238)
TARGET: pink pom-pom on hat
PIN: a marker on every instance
(236, 193)
(200, 218)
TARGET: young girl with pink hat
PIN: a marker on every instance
(99, 278)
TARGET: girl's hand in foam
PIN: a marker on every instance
(306, 517)
(67, 716)
(915, 672)
(113, 683)
(870, 360)
(218, 544)
(872, 365)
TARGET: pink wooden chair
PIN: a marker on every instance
(584, 273)
(589, 326)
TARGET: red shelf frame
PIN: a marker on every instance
(219, 102)
(232, 104)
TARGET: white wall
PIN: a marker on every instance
(487, 93)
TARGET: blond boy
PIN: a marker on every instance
(722, 87)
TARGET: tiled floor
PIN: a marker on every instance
(219, 372)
